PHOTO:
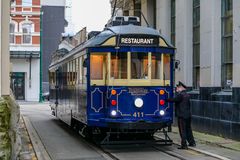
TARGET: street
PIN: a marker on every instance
(62, 143)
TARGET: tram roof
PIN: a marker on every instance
(109, 32)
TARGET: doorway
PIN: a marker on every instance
(18, 85)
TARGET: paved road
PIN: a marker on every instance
(61, 143)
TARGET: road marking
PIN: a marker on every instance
(38, 147)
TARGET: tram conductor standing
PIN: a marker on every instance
(183, 114)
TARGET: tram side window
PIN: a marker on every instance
(96, 67)
(166, 67)
(74, 80)
(119, 65)
(65, 74)
(84, 70)
(156, 65)
(139, 65)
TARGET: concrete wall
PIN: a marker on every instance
(210, 43)
(236, 43)
(184, 47)
(22, 65)
(147, 8)
(53, 26)
(4, 48)
(163, 23)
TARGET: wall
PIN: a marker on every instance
(53, 26)
(184, 41)
(22, 65)
(5, 65)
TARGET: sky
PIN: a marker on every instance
(92, 14)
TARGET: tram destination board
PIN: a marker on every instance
(129, 40)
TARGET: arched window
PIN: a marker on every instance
(26, 31)
(12, 30)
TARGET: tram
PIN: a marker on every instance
(115, 82)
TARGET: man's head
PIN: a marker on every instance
(180, 87)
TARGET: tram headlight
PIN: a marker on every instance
(113, 113)
(138, 102)
(162, 112)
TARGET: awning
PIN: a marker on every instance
(24, 54)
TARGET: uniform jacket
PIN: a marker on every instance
(182, 104)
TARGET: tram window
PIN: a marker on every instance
(96, 67)
(119, 65)
(156, 65)
(139, 65)
(74, 72)
(84, 70)
(166, 67)
(65, 74)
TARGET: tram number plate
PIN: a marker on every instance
(138, 114)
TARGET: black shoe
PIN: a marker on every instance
(183, 147)
(192, 145)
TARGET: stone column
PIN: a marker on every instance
(184, 41)
(236, 43)
(210, 43)
(5, 61)
(164, 18)
(147, 9)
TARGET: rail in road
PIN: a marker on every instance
(58, 141)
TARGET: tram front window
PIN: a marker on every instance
(160, 67)
(119, 65)
(139, 65)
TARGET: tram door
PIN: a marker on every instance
(18, 85)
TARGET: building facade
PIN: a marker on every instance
(206, 35)
(25, 49)
(53, 23)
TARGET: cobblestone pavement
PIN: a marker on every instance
(27, 151)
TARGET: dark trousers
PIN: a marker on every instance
(185, 130)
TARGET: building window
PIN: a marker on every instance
(12, 33)
(173, 21)
(196, 44)
(227, 44)
(26, 3)
(26, 30)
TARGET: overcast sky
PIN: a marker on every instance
(93, 14)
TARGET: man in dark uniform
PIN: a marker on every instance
(183, 114)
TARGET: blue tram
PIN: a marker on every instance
(117, 81)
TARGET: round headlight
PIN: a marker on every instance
(162, 112)
(113, 113)
(138, 102)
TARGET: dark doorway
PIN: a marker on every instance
(18, 85)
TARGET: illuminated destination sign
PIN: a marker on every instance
(146, 41)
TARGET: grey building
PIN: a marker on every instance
(206, 35)
(53, 23)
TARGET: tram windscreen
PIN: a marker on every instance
(139, 65)
(160, 67)
(119, 65)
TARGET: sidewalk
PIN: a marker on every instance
(209, 139)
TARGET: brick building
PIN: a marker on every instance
(25, 49)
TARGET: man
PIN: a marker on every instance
(183, 114)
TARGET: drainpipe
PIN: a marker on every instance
(40, 90)
(30, 70)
